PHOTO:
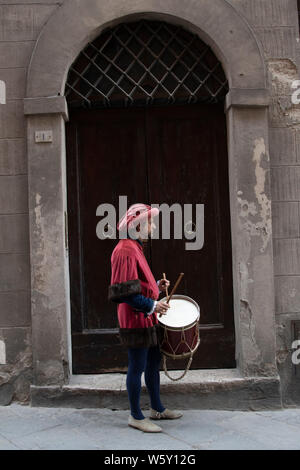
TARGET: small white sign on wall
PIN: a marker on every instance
(2, 92)
(43, 136)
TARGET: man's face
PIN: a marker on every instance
(147, 229)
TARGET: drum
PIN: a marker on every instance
(179, 335)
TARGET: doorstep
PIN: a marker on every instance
(223, 389)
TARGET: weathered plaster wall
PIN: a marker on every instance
(276, 24)
(20, 24)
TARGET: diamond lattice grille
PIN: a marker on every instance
(145, 63)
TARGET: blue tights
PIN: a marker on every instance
(145, 360)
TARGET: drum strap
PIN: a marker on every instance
(186, 369)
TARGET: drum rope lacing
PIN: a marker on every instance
(181, 376)
(182, 341)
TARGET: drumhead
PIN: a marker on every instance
(183, 311)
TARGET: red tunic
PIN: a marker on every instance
(128, 262)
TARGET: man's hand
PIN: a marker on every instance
(162, 307)
(163, 284)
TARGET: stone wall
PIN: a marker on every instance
(275, 23)
(20, 24)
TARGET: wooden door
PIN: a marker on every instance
(187, 158)
(152, 155)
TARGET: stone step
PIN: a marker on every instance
(223, 389)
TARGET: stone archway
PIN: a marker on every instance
(72, 25)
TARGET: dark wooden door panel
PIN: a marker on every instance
(98, 352)
(152, 155)
(106, 160)
(187, 164)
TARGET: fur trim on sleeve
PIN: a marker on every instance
(123, 289)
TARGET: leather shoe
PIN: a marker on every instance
(166, 414)
(143, 424)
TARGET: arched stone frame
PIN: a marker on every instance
(66, 33)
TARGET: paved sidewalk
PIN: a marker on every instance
(25, 427)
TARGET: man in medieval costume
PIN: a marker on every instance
(136, 291)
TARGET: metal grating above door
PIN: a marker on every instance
(145, 63)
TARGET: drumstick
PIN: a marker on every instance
(175, 287)
(164, 276)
